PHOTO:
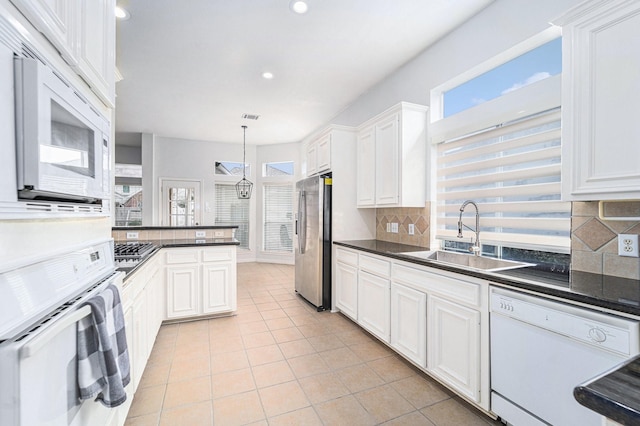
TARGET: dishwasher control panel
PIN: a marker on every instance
(590, 327)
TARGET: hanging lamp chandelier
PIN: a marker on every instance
(244, 187)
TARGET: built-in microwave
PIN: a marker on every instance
(62, 142)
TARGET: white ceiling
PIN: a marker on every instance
(191, 69)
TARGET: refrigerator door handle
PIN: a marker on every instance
(302, 222)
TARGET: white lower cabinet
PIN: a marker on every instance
(142, 301)
(373, 304)
(346, 276)
(454, 345)
(409, 323)
(347, 289)
(183, 282)
(200, 281)
(436, 319)
(217, 295)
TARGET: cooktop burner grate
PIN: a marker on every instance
(131, 251)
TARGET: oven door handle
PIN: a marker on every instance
(33, 347)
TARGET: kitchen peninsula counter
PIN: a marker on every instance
(174, 243)
(615, 394)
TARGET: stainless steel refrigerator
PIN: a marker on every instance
(313, 241)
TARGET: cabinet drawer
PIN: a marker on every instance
(451, 288)
(348, 257)
(176, 257)
(217, 254)
(375, 265)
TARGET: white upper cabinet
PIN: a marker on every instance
(392, 158)
(601, 100)
(84, 32)
(57, 20)
(96, 47)
(319, 154)
(366, 171)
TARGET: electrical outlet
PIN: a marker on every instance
(201, 234)
(628, 245)
(132, 235)
(394, 228)
(411, 229)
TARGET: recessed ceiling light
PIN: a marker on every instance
(267, 75)
(121, 13)
(299, 6)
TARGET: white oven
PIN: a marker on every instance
(62, 142)
(40, 305)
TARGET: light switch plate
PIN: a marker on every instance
(394, 227)
(201, 234)
(132, 235)
(411, 229)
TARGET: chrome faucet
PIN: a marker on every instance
(475, 248)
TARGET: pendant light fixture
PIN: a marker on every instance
(244, 187)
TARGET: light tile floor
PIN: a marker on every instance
(279, 362)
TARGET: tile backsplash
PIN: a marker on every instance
(404, 216)
(594, 241)
(148, 234)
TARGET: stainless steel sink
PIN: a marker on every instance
(480, 263)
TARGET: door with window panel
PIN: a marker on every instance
(181, 202)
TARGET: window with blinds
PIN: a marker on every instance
(278, 217)
(499, 145)
(230, 210)
(512, 171)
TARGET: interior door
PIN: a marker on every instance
(180, 201)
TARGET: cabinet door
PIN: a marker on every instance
(130, 330)
(312, 159)
(347, 289)
(57, 20)
(374, 304)
(139, 340)
(387, 161)
(453, 342)
(366, 172)
(182, 291)
(600, 101)
(96, 53)
(409, 323)
(154, 305)
(324, 154)
(216, 288)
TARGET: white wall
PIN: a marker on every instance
(190, 159)
(128, 154)
(498, 27)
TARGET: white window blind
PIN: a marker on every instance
(230, 210)
(278, 217)
(513, 172)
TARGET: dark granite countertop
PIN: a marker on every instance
(614, 394)
(157, 228)
(173, 243)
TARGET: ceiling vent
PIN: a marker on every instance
(250, 116)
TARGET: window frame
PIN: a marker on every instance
(437, 93)
(536, 98)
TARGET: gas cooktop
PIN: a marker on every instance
(130, 254)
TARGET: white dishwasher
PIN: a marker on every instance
(541, 350)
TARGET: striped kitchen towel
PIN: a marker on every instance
(103, 357)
